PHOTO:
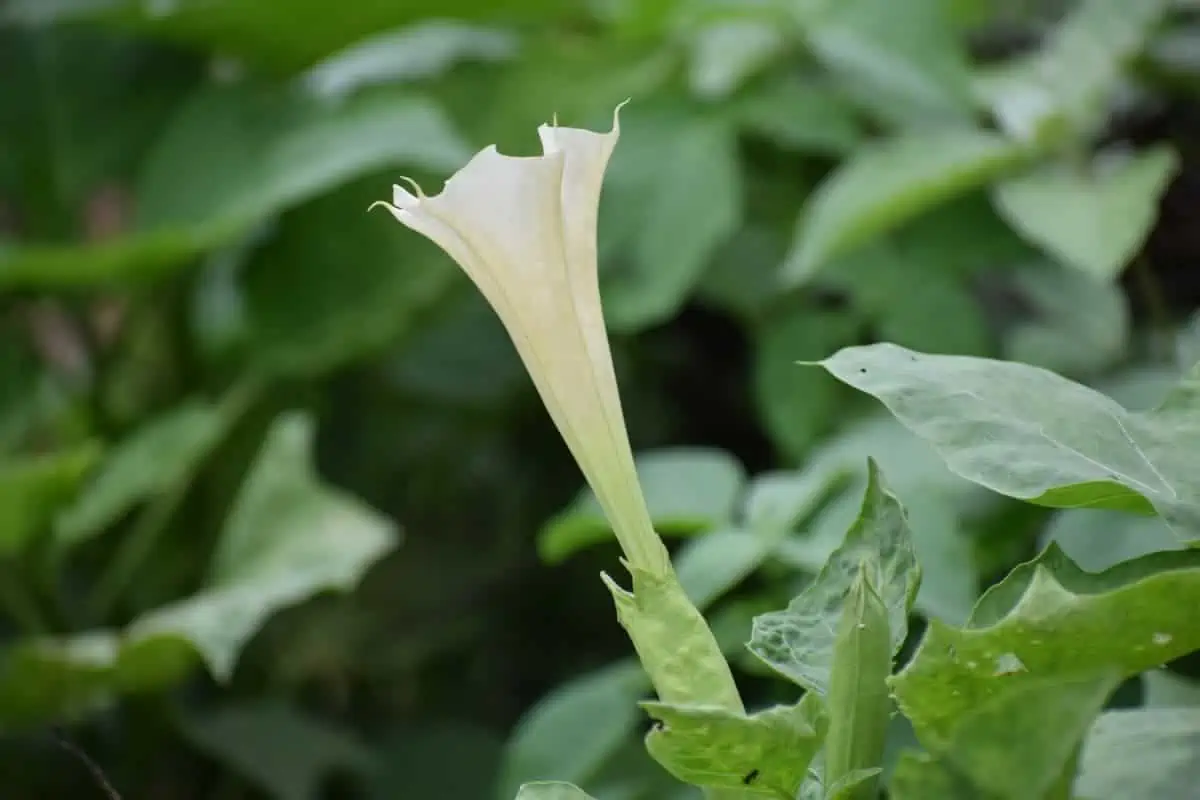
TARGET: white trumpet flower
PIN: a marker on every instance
(524, 231)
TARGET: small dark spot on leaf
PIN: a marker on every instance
(750, 778)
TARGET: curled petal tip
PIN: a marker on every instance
(383, 203)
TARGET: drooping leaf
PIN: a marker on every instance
(552, 790)
(798, 642)
(1049, 619)
(1141, 754)
(149, 461)
(768, 751)
(1064, 89)
(1027, 433)
(1094, 221)
(33, 490)
(712, 564)
(687, 490)
(424, 49)
(287, 538)
(887, 183)
(903, 61)
(575, 729)
(283, 751)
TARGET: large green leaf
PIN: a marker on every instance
(1019, 745)
(900, 59)
(147, 462)
(421, 50)
(33, 491)
(232, 157)
(1050, 619)
(798, 642)
(679, 172)
(768, 751)
(1064, 89)
(334, 283)
(890, 182)
(724, 53)
(803, 115)
(1095, 220)
(1027, 433)
(283, 33)
(1141, 754)
(287, 538)
(687, 489)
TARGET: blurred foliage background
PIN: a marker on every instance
(280, 514)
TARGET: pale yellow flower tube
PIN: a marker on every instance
(524, 231)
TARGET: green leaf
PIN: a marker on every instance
(231, 158)
(799, 114)
(1050, 619)
(859, 704)
(687, 192)
(34, 489)
(797, 405)
(710, 565)
(903, 60)
(726, 52)
(147, 462)
(769, 751)
(1027, 433)
(1141, 754)
(1096, 539)
(552, 791)
(1064, 89)
(674, 643)
(571, 732)
(422, 50)
(288, 537)
(1094, 221)
(1075, 324)
(798, 642)
(1017, 745)
(1163, 688)
(284, 752)
(335, 283)
(688, 490)
(890, 182)
(280, 35)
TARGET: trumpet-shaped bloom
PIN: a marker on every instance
(524, 231)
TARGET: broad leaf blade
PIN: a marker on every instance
(798, 642)
(1030, 434)
(1094, 221)
(1141, 754)
(768, 751)
(288, 537)
(891, 182)
(34, 489)
(1051, 619)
